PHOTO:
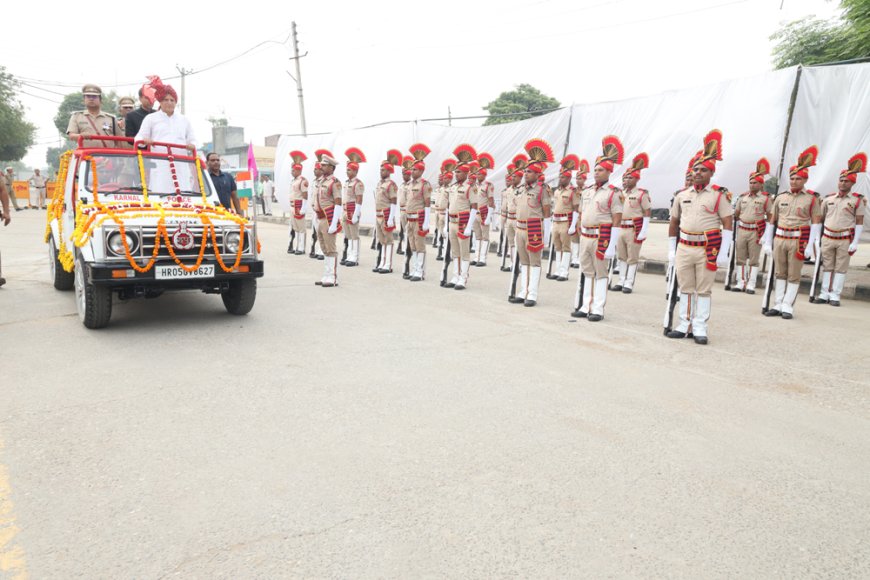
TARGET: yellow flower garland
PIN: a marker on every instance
(93, 215)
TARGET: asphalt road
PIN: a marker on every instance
(389, 429)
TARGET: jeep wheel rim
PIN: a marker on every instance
(80, 289)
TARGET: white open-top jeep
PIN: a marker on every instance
(136, 220)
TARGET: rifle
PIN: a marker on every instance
(732, 262)
(611, 270)
(550, 275)
(401, 249)
(292, 238)
(817, 271)
(407, 273)
(578, 299)
(671, 297)
(375, 236)
(311, 254)
(500, 243)
(344, 253)
(515, 274)
(447, 260)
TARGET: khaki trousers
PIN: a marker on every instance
(788, 267)
(327, 241)
(692, 273)
(527, 258)
(591, 266)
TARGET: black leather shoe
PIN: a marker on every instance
(321, 257)
(676, 334)
(530, 303)
(473, 263)
(594, 317)
(290, 249)
(351, 264)
(516, 300)
(504, 269)
(343, 262)
(449, 285)
(459, 287)
(481, 264)
(700, 340)
(561, 279)
(626, 290)
(835, 303)
(440, 258)
(385, 271)
(736, 289)
(787, 315)
(578, 314)
(820, 301)
(772, 312)
(318, 283)
(748, 291)
(617, 288)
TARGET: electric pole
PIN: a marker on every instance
(184, 72)
(298, 79)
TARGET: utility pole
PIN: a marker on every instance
(298, 79)
(184, 72)
(449, 117)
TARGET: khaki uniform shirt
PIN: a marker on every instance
(418, 191)
(84, 123)
(403, 194)
(328, 193)
(752, 207)
(792, 210)
(566, 201)
(37, 181)
(531, 201)
(441, 197)
(696, 210)
(598, 205)
(484, 193)
(636, 203)
(461, 196)
(840, 211)
(385, 193)
(353, 188)
(299, 188)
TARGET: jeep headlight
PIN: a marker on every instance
(231, 242)
(116, 243)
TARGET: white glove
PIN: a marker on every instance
(813, 242)
(614, 240)
(642, 235)
(672, 250)
(468, 228)
(767, 239)
(336, 219)
(572, 229)
(723, 258)
(304, 207)
(488, 217)
(425, 227)
(391, 221)
(356, 213)
(853, 247)
(548, 230)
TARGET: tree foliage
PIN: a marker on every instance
(16, 134)
(75, 102)
(813, 41)
(524, 102)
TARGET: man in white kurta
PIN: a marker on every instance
(168, 126)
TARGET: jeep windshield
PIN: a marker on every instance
(121, 174)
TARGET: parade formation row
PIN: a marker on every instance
(599, 228)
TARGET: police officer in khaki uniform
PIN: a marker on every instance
(485, 207)
(417, 208)
(566, 208)
(352, 196)
(516, 173)
(580, 180)
(534, 222)
(327, 207)
(318, 177)
(701, 224)
(441, 198)
(750, 213)
(407, 162)
(636, 213)
(843, 220)
(298, 205)
(461, 214)
(795, 219)
(93, 121)
(386, 208)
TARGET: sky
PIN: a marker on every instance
(372, 62)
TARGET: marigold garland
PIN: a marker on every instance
(91, 216)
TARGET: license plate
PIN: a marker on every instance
(175, 272)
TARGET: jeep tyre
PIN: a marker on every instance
(61, 279)
(239, 299)
(94, 303)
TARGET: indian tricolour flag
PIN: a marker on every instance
(244, 184)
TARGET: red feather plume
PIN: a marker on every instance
(570, 162)
(321, 152)
(407, 162)
(640, 161)
(520, 161)
(448, 165)
(763, 166)
(486, 160)
(540, 150)
(355, 155)
(419, 151)
(394, 157)
(612, 149)
(583, 167)
(858, 163)
(713, 145)
(808, 157)
(298, 156)
(465, 153)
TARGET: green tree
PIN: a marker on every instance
(16, 134)
(52, 157)
(524, 102)
(813, 41)
(75, 102)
